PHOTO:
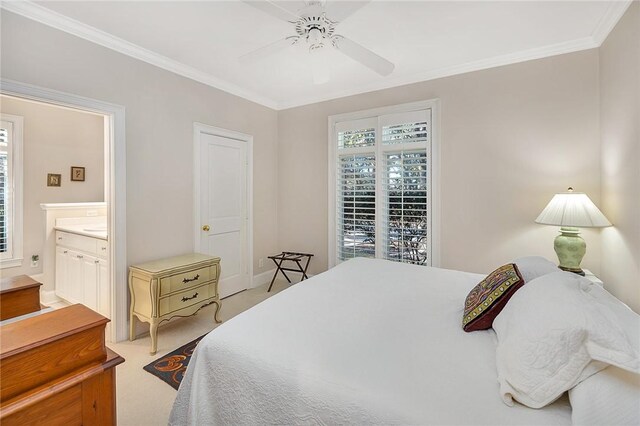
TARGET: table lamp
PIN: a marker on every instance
(571, 210)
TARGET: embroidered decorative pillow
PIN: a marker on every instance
(487, 299)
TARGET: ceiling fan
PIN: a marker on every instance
(317, 30)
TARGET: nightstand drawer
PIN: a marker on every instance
(185, 280)
(184, 299)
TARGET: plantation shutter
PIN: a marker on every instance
(405, 128)
(406, 219)
(357, 206)
(405, 187)
(383, 187)
(356, 189)
(5, 207)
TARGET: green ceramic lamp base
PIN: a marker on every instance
(570, 248)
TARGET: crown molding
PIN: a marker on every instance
(610, 19)
(61, 22)
(483, 64)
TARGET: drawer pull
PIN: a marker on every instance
(66, 251)
(104, 248)
(184, 299)
(59, 238)
(80, 257)
(188, 280)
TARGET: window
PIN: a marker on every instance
(10, 190)
(381, 202)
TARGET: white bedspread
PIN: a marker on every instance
(368, 342)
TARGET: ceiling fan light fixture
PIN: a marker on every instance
(311, 24)
(315, 39)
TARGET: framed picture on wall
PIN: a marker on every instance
(54, 179)
(77, 174)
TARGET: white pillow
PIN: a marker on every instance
(610, 397)
(551, 332)
(532, 267)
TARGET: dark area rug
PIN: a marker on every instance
(171, 367)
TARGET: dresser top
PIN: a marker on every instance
(20, 336)
(7, 285)
(157, 266)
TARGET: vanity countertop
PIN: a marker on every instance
(98, 231)
(95, 227)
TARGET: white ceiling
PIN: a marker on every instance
(424, 39)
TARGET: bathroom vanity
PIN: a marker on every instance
(82, 263)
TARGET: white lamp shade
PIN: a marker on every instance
(574, 209)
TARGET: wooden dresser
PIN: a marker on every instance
(56, 369)
(18, 296)
(174, 287)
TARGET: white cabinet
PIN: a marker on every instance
(74, 277)
(62, 273)
(89, 279)
(82, 271)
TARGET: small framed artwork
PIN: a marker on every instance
(77, 174)
(54, 179)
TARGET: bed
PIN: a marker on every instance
(367, 342)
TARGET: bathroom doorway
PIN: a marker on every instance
(80, 180)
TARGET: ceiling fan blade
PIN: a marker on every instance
(273, 9)
(267, 50)
(338, 11)
(363, 55)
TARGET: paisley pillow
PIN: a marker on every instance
(486, 300)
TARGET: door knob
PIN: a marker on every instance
(206, 228)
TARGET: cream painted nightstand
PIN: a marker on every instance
(591, 277)
(174, 287)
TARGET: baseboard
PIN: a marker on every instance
(262, 278)
(37, 277)
(48, 297)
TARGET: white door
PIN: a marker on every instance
(223, 228)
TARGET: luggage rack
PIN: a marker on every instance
(290, 256)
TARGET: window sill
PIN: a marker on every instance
(10, 263)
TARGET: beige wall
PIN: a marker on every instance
(511, 137)
(161, 108)
(620, 130)
(54, 140)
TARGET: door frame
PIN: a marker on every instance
(198, 129)
(116, 186)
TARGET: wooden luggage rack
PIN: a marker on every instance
(289, 256)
